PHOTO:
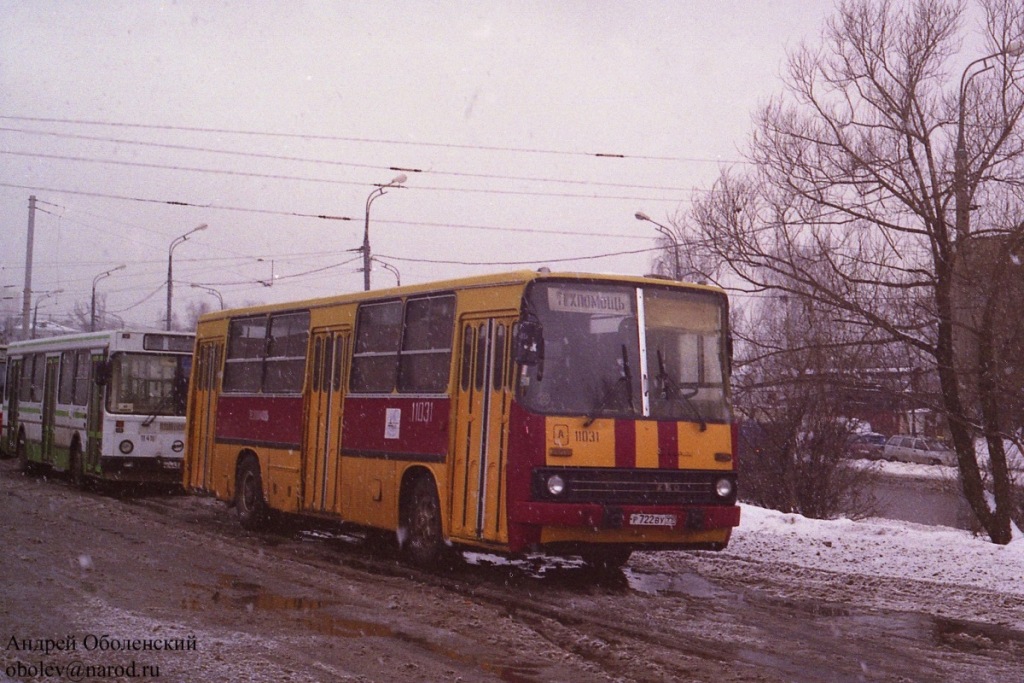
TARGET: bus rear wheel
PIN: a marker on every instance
(424, 545)
(250, 504)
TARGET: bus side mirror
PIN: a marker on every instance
(529, 343)
(101, 372)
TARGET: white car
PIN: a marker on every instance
(918, 449)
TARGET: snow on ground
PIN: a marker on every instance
(874, 563)
(881, 548)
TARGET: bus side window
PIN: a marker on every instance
(339, 361)
(426, 356)
(318, 359)
(467, 357)
(481, 355)
(83, 366)
(38, 376)
(66, 390)
(499, 357)
(378, 337)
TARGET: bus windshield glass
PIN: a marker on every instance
(598, 342)
(148, 384)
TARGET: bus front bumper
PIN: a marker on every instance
(155, 469)
(614, 517)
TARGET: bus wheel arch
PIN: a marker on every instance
(421, 533)
(250, 501)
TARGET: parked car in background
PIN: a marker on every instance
(866, 445)
(918, 449)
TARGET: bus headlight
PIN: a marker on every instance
(724, 488)
(126, 447)
(178, 446)
(556, 485)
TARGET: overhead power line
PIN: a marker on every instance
(334, 162)
(386, 141)
(173, 202)
(331, 181)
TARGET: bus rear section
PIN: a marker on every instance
(105, 406)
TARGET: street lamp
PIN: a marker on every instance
(963, 210)
(394, 271)
(170, 267)
(35, 312)
(211, 290)
(396, 182)
(641, 216)
(92, 306)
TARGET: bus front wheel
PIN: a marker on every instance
(424, 545)
(76, 468)
(21, 453)
(250, 504)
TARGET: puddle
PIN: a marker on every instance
(688, 585)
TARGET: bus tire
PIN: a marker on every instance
(250, 504)
(606, 560)
(21, 453)
(76, 467)
(424, 545)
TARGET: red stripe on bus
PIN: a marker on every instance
(625, 443)
(668, 445)
(417, 425)
(260, 419)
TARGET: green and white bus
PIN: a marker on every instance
(99, 405)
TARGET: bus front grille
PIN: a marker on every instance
(631, 486)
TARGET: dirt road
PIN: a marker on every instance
(167, 587)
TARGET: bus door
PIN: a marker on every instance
(50, 409)
(10, 435)
(94, 415)
(321, 464)
(201, 414)
(481, 434)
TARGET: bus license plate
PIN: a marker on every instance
(643, 519)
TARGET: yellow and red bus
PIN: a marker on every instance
(521, 412)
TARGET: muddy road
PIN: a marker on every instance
(103, 586)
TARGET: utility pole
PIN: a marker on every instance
(26, 306)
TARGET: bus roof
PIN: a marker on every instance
(85, 339)
(519, 277)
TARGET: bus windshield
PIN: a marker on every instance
(599, 343)
(148, 384)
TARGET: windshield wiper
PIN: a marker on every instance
(158, 410)
(625, 376)
(674, 392)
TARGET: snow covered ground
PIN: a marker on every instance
(881, 548)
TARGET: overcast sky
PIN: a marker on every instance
(134, 122)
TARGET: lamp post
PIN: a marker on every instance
(170, 267)
(92, 306)
(211, 290)
(396, 182)
(963, 209)
(641, 216)
(35, 312)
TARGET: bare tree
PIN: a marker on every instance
(787, 384)
(886, 156)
